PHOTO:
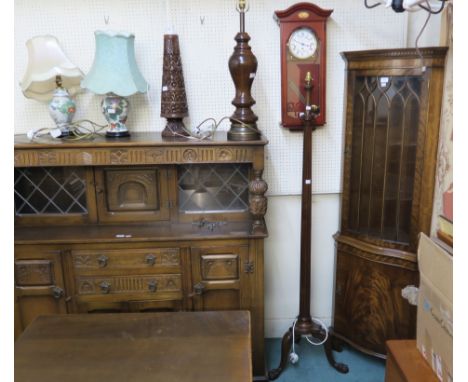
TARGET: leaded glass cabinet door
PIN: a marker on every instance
(54, 195)
(385, 126)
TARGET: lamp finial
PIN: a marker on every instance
(242, 6)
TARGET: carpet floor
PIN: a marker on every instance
(313, 365)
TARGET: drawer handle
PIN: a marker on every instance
(199, 288)
(102, 260)
(57, 292)
(153, 286)
(105, 287)
(150, 259)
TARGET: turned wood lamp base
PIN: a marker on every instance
(243, 133)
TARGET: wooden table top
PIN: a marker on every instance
(139, 347)
(410, 363)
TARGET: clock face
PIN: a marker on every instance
(303, 43)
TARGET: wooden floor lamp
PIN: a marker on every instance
(304, 325)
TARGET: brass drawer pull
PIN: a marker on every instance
(57, 292)
(150, 259)
(102, 260)
(105, 287)
(153, 286)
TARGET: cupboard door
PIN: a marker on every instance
(39, 287)
(219, 277)
(369, 308)
(132, 194)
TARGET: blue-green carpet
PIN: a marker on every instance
(313, 365)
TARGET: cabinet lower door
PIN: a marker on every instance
(39, 288)
(219, 280)
(369, 308)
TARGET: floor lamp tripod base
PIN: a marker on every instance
(308, 329)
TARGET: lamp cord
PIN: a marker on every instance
(322, 324)
(198, 135)
(429, 9)
(418, 51)
(371, 6)
(79, 131)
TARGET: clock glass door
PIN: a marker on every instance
(303, 55)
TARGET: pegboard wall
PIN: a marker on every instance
(206, 30)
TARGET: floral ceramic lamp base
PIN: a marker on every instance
(115, 109)
(62, 109)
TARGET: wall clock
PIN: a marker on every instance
(303, 49)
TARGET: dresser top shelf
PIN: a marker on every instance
(139, 149)
(138, 139)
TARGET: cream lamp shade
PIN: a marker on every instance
(46, 61)
(115, 73)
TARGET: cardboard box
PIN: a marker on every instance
(434, 336)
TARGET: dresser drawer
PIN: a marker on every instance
(168, 285)
(152, 260)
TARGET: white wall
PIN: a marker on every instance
(205, 49)
(282, 259)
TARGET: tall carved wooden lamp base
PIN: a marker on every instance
(173, 97)
(305, 326)
(175, 128)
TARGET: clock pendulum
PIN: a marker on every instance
(243, 68)
(304, 325)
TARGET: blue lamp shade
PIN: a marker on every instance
(114, 68)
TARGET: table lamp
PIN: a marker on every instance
(115, 73)
(51, 77)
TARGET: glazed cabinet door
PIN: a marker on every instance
(54, 195)
(219, 276)
(39, 287)
(384, 146)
